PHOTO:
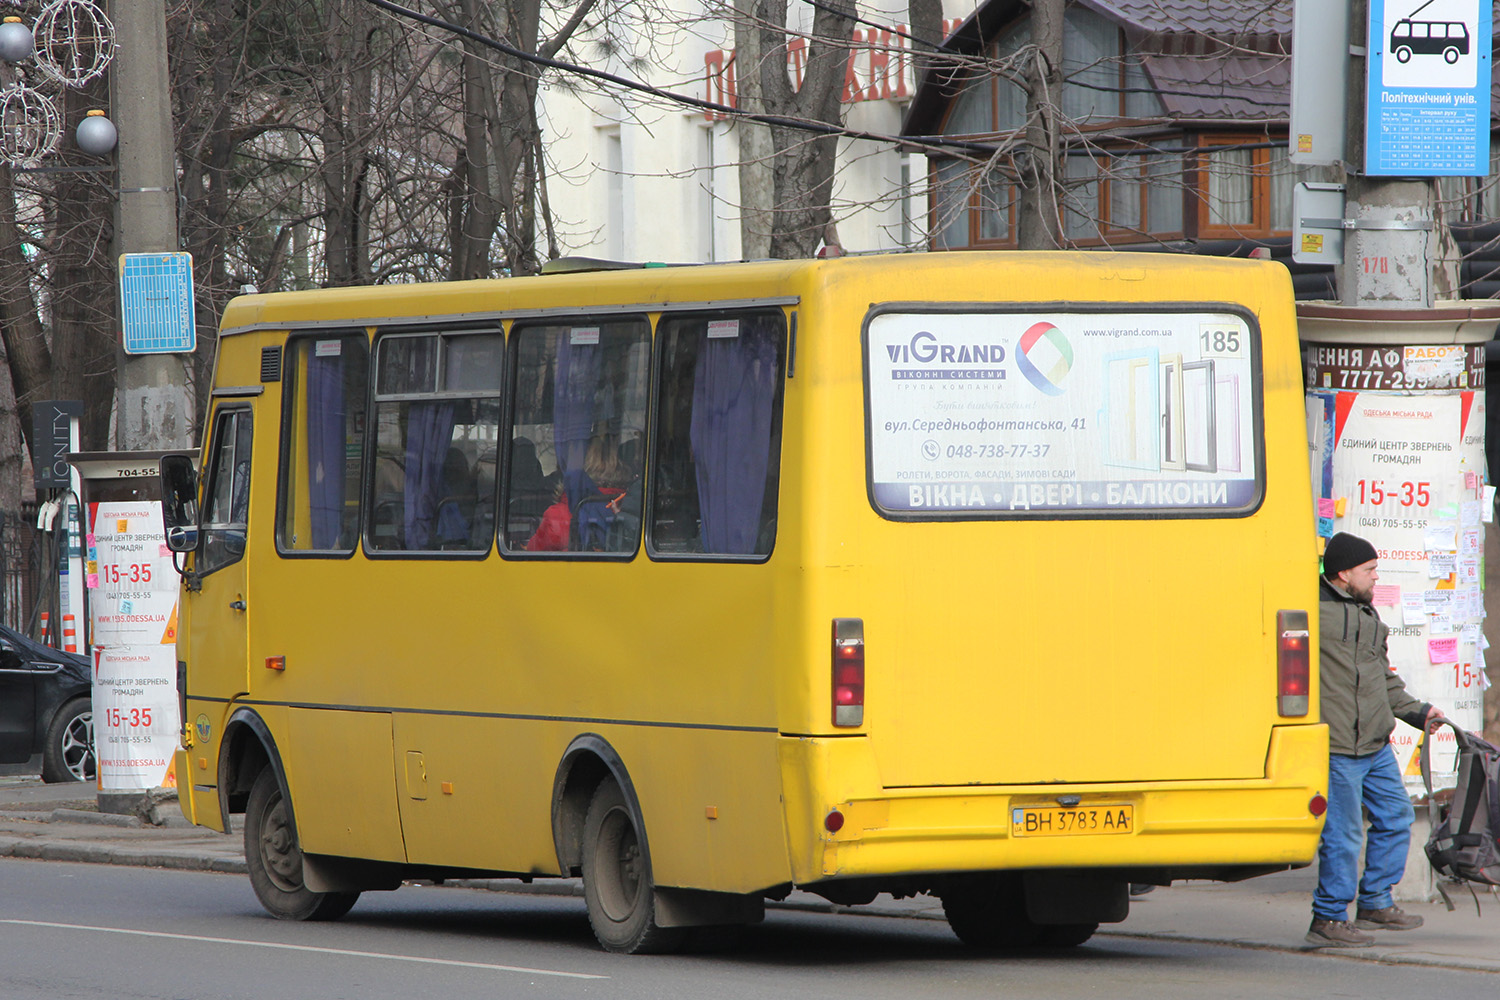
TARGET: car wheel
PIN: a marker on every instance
(68, 754)
(273, 859)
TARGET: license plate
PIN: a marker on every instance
(1067, 821)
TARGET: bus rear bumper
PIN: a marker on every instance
(1222, 829)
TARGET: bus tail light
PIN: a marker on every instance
(848, 672)
(1293, 662)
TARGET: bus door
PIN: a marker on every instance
(220, 609)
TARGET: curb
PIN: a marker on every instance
(41, 849)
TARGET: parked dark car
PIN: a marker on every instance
(46, 707)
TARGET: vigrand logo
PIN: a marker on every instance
(1045, 357)
(924, 349)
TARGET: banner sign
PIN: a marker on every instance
(1406, 472)
(1063, 414)
(135, 715)
(1427, 93)
(133, 587)
(133, 590)
(1387, 368)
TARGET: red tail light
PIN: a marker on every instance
(848, 672)
(1293, 662)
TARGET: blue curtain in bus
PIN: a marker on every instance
(734, 392)
(574, 388)
(429, 433)
(325, 449)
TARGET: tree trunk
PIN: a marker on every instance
(925, 20)
(29, 358)
(803, 166)
(757, 151)
(83, 318)
(1040, 223)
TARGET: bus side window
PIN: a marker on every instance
(227, 507)
(437, 428)
(718, 433)
(325, 393)
(577, 433)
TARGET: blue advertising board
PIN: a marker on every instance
(156, 303)
(1427, 93)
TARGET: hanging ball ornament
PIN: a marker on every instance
(29, 125)
(75, 41)
(96, 134)
(16, 43)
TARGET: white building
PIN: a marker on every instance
(636, 177)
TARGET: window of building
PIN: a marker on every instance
(1231, 178)
(950, 205)
(437, 430)
(718, 437)
(325, 389)
(578, 436)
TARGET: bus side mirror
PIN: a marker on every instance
(179, 502)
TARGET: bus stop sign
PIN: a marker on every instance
(156, 303)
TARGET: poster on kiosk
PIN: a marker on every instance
(133, 592)
(1397, 439)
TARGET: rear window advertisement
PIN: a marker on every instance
(1058, 413)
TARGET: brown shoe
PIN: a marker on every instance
(1392, 918)
(1337, 934)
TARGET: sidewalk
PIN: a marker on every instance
(61, 823)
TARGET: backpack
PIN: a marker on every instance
(1465, 841)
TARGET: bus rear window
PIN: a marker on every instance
(1063, 414)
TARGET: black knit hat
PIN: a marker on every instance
(1346, 551)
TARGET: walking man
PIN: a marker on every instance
(1361, 699)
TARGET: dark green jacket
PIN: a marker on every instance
(1361, 696)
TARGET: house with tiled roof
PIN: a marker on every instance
(1174, 135)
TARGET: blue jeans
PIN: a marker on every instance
(1374, 782)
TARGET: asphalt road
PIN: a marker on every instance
(96, 931)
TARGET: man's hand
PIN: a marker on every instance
(1435, 719)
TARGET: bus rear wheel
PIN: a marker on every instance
(1067, 935)
(617, 881)
(274, 859)
(988, 913)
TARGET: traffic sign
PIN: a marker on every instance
(1427, 92)
(156, 303)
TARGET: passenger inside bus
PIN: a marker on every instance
(455, 511)
(584, 525)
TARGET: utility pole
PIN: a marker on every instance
(1389, 221)
(154, 402)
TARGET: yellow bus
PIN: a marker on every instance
(986, 575)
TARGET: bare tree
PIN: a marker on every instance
(802, 164)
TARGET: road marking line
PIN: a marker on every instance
(309, 948)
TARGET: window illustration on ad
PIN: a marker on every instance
(1063, 414)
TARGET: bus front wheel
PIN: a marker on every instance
(617, 879)
(1403, 54)
(274, 859)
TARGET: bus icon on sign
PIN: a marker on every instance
(1449, 39)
